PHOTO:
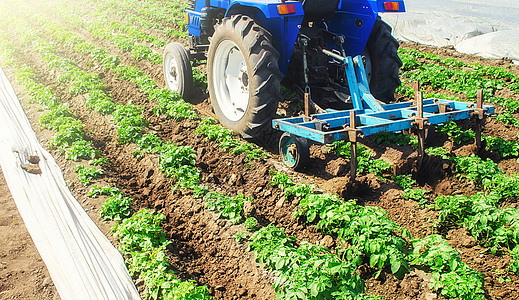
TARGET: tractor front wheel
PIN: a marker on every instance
(243, 76)
(177, 69)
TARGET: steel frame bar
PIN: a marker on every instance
(396, 117)
(371, 117)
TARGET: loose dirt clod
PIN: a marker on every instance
(30, 168)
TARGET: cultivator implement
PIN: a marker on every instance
(251, 46)
(368, 117)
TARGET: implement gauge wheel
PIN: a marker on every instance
(243, 76)
(177, 69)
(294, 151)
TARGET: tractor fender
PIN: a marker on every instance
(284, 28)
(355, 19)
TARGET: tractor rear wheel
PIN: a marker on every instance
(243, 76)
(382, 48)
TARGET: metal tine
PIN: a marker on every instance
(421, 128)
(416, 87)
(353, 143)
(419, 104)
(479, 119)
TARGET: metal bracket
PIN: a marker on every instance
(307, 101)
(416, 87)
(479, 112)
(419, 121)
(304, 43)
(320, 124)
(352, 135)
(353, 131)
(443, 108)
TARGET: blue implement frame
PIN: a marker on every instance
(372, 117)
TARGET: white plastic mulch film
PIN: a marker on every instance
(81, 261)
(486, 28)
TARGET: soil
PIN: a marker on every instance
(23, 274)
(203, 247)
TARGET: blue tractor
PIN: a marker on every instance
(338, 54)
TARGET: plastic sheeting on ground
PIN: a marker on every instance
(431, 30)
(487, 29)
(493, 45)
(81, 261)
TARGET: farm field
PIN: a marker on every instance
(200, 213)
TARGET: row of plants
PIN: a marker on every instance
(506, 149)
(365, 158)
(124, 34)
(142, 240)
(143, 243)
(178, 162)
(125, 41)
(306, 271)
(168, 103)
(131, 35)
(170, 14)
(503, 147)
(128, 118)
(125, 37)
(69, 138)
(466, 79)
(493, 226)
(441, 74)
(458, 80)
(369, 236)
(173, 106)
(169, 20)
(482, 214)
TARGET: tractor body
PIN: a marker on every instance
(338, 54)
(354, 19)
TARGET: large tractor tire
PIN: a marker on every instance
(382, 48)
(243, 76)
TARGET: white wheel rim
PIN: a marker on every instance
(172, 73)
(231, 80)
